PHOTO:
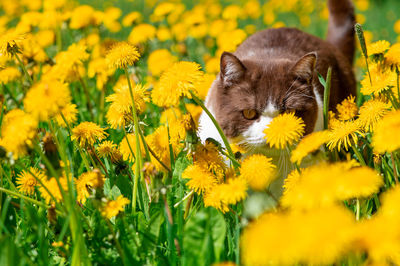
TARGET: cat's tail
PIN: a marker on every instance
(341, 27)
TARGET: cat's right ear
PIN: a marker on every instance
(232, 70)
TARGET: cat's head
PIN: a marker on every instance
(251, 93)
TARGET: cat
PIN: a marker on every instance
(275, 71)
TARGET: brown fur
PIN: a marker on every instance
(280, 66)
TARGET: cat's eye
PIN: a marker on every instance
(249, 114)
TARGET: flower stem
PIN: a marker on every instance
(24, 69)
(138, 155)
(358, 155)
(221, 133)
(18, 195)
(357, 209)
(396, 179)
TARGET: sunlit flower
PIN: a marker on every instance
(17, 132)
(284, 130)
(208, 157)
(127, 147)
(70, 112)
(213, 198)
(325, 184)
(379, 47)
(122, 102)
(308, 144)
(200, 180)
(291, 238)
(122, 55)
(291, 180)
(113, 207)
(52, 186)
(86, 133)
(106, 148)
(47, 98)
(259, 171)
(9, 74)
(234, 190)
(176, 82)
(382, 79)
(347, 109)
(393, 55)
(159, 61)
(371, 112)
(9, 42)
(26, 182)
(344, 135)
(86, 182)
(386, 137)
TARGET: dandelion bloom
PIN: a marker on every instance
(122, 55)
(159, 61)
(47, 98)
(127, 147)
(284, 130)
(69, 112)
(9, 42)
(386, 134)
(289, 238)
(347, 109)
(393, 55)
(326, 184)
(308, 144)
(382, 79)
(343, 135)
(200, 180)
(291, 180)
(371, 112)
(379, 47)
(86, 181)
(9, 74)
(17, 132)
(52, 186)
(259, 171)
(209, 157)
(213, 198)
(176, 82)
(106, 148)
(113, 207)
(26, 182)
(86, 133)
(234, 191)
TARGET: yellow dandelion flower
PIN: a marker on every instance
(284, 130)
(86, 133)
(159, 61)
(142, 33)
(344, 135)
(122, 55)
(47, 98)
(332, 120)
(113, 207)
(382, 79)
(121, 99)
(128, 146)
(82, 16)
(116, 118)
(87, 181)
(371, 112)
(379, 47)
(392, 57)
(9, 74)
(209, 157)
(204, 86)
(347, 109)
(17, 132)
(290, 238)
(234, 190)
(259, 171)
(176, 82)
(70, 112)
(291, 180)
(26, 182)
(52, 186)
(213, 198)
(200, 180)
(170, 115)
(308, 144)
(324, 185)
(106, 148)
(386, 138)
(9, 42)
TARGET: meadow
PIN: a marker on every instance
(100, 162)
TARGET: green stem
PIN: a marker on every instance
(327, 93)
(18, 195)
(138, 155)
(221, 133)
(396, 179)
(358, 155)
(24, 69)
(357, 209)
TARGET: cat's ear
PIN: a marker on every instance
(304, 67)
(232, 70)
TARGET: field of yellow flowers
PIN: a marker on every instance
(100, 162)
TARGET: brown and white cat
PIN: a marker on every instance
(275, 71)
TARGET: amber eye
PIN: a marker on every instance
(249, 114)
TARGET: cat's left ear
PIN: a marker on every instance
(304, 67)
